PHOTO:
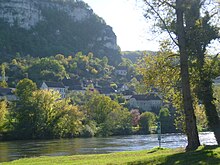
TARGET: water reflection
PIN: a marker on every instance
(20, 149)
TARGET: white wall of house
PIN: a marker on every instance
(6, 78)
(145, 105)
(60, 90)
(121, 72)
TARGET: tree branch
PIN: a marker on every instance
(164, 23)
(168, 4)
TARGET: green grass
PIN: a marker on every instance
(203, 156)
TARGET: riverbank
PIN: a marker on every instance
(204, 155)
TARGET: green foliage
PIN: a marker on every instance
(44, 115)
(167, 121)
(46, 69)
(135, 55)
(3, 113)
(110, 116)
(56, 68)
(3, 82)
(89, 129)
(202, 122)
(162, 72)
(147, 121)
(217, 96)
(24, 89)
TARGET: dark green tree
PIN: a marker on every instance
(110, 116)
(46, 69)
(203, 32)
(3, 113)
(22, 113)
(146, 121)
(3, 82)
(24, 89)
(167, 121)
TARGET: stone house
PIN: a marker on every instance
(7, 93)
(121, 71)
(56, 86)
(147, 102)
(73, 85)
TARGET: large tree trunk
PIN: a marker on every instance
(190, 119)
(210, 110)
(204, 91)
(205, 94)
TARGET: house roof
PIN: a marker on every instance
(128, 92)
(151, 96)
(103, 83)
(75, 87)
(5, 91)
(121, 68)
(106, 90)
(54, 84)
(120, 85)
(71, 81)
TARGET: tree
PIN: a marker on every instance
(135, 116)
(162, 71)
(217, 96)
(166, 120)
(110, 116)
(177, 26)
(198, 30)
(120, 120)
(46, 69)
(44, 115)
(147, 120)
(190, 118)
(99, 107)
(3, 82)
(21, 113)
(24, 89)
(203, 32)
(54, 117)
(3, 113)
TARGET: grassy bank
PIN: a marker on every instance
(204, 155)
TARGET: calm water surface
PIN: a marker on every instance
(20, 149)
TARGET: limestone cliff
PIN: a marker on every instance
(48, 27)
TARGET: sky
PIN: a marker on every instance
(127, 20)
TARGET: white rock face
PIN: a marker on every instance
(109, 39)
(79, 14)
(20, 12)
(27, 13)
(111, 45)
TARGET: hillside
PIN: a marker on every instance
(135, 55)
(49, 27)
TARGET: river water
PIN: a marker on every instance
(20, 149)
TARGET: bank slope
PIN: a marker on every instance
(204, 155)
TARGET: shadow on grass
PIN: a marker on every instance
(203, 156)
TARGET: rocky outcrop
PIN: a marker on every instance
(54, 26)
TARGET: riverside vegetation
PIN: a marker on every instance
(41, 114)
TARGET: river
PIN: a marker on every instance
(12, 150)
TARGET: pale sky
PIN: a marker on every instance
(127, 20)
